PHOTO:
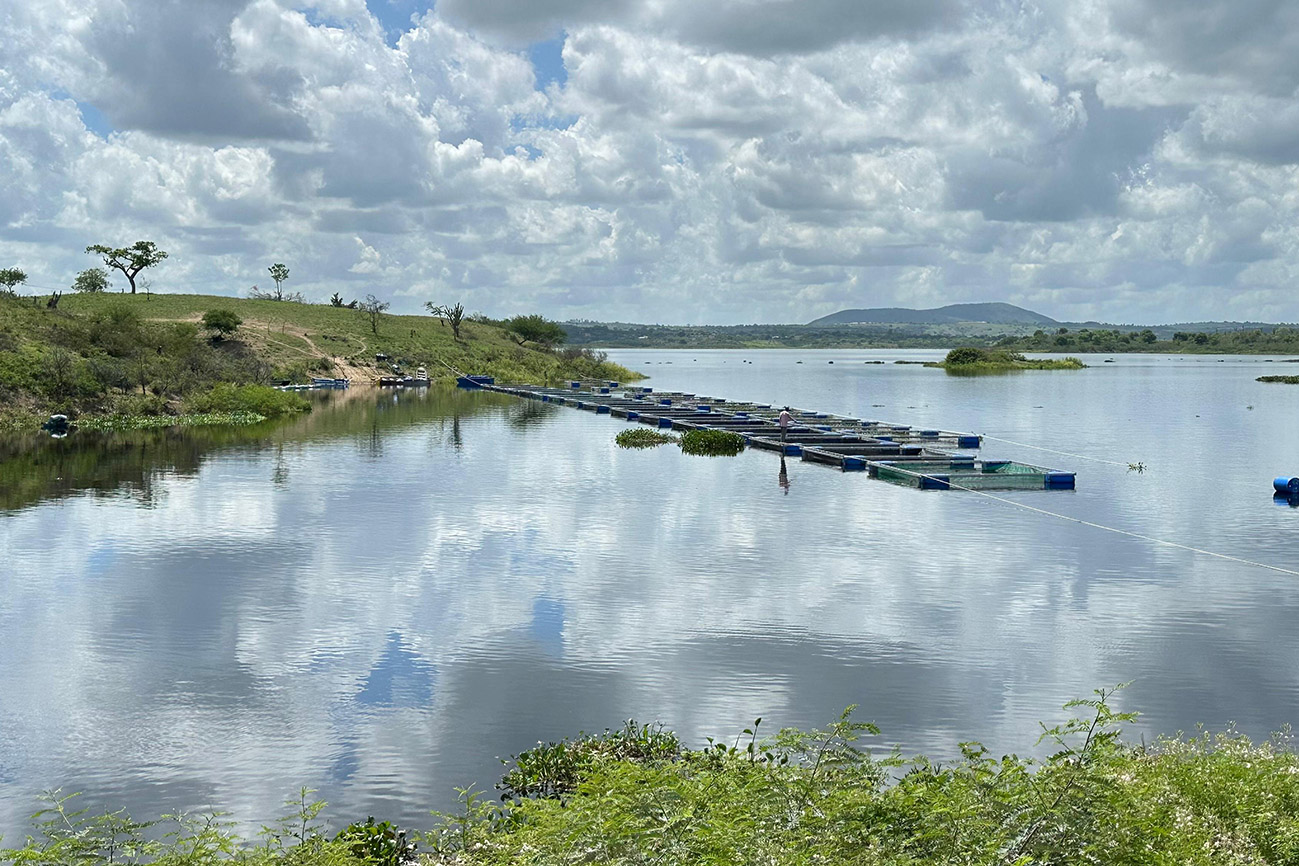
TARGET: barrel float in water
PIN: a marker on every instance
(1286, 484)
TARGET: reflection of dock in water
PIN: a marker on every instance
(916, 457)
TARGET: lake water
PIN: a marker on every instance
(378, 599)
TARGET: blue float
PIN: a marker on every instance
(1286, 484)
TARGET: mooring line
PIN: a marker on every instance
(1114, 529)
(1054, 451)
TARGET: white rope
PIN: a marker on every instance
(1054, 451)
(896, 468)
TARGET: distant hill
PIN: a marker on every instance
(997, 314)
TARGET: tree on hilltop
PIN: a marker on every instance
(129, 260)
(11, 279)
(91, 280)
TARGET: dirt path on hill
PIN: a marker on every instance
(360, 375)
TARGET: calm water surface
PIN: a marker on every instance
(378, 599)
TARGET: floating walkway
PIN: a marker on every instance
(914, 457)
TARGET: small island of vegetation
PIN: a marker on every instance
(971, 359)
(1284, 380)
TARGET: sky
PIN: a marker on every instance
(675, 161)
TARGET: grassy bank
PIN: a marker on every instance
(795, 798)
(136, 356)
(970, 360)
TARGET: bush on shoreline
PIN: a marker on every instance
(255, 399)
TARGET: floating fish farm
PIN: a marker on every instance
(914, 457)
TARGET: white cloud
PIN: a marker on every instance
(752, 160)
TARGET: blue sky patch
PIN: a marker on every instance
(94, 119)
(548, 62)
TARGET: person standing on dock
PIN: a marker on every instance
(785, 420)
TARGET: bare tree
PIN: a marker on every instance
(373, 307)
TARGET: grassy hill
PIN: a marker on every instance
(98, 354)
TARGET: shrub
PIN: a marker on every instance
(258, 399)
(378, 844)
(964, 355)
(150, 405)
(556, 769)
(712, 443)
(222, 323)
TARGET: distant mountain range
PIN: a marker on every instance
(889, 327)
(994, 314)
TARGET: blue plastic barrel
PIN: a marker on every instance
(1286, 484)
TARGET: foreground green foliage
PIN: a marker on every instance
(642, 437)
(557, 769)
(798, 798)
(971, 359)
(65, 835)
(814, 797)
(712, 443)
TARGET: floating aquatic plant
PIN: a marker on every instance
(712, 443)
(642, 438)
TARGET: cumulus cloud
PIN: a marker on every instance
(741, 160)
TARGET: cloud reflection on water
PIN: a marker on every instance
(378, 603)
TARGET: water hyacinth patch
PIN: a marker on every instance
(154, 422)
(642, 438)
(712, 443)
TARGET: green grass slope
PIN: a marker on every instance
(137, 354)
